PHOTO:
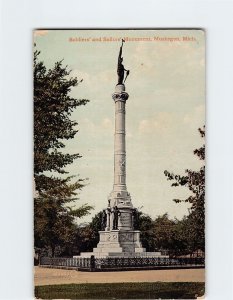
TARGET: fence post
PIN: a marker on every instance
(92, 262)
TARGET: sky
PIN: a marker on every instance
(166, 106)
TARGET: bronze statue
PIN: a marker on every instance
(120, 68)
(116, 214)
(103, 220)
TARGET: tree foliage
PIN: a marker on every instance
(195, 182)
(54, 213)
(171, 236)
(163, 232)
(146, 225)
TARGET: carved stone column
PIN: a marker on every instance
(119, 196)
(120, 97)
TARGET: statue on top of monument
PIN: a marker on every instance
(120, 67)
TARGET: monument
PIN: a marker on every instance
(120, 235)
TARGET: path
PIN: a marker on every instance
(45, 276)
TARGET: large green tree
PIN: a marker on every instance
(56, 190)
(195, 182)
(163, 232)
(146, 225)
(172, 235)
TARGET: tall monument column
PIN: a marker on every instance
(120, 97)
(119, 194)
(119, 197)
(118, 236)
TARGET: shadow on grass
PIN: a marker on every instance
(140, 290)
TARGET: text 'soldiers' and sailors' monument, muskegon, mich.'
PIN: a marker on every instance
(120, 235)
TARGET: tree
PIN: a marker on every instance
(195, 181)
(163, 231)
(146, 225)
(54, 213)
(87, 235)
(95, 227)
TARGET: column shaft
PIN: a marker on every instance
(119, 146)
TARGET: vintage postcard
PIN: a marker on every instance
(119, 164)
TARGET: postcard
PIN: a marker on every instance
(119, 163)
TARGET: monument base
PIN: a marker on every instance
(116, 243)
(121, 254)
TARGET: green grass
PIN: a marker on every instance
(140, 290)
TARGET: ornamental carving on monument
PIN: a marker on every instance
(126, 237)
(122, 164)
(120, 96)
(111, 237)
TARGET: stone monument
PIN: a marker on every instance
(119, 236)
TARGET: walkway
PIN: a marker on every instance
(45, 276)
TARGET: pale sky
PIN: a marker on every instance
(166, 105)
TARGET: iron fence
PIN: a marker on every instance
(122, 263)
(66, 262)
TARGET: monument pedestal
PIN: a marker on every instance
(117, 243)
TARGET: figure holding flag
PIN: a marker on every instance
(120, 68)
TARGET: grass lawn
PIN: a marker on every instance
(140, 290)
